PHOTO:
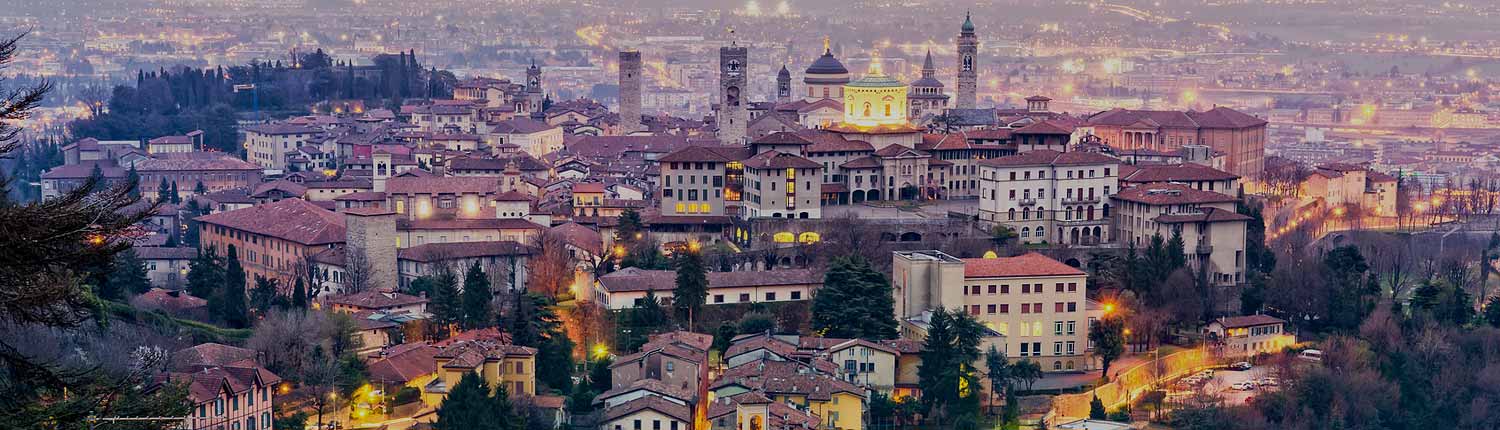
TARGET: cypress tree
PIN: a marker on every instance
(476, 298)
(692, 286)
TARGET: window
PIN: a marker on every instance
(1071, 325)
(992, 288)
(796, 295)
(1004, 308)
(1072, 306)
(770, 297)
(1057, 328)
(1057, 348)
(670, 366)
(718, 298)
(1005, 289)
(973, 309)
(1071, 348)
(745, 297)
(990, 309)
(1057, 306)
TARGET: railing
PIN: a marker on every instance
(1080, 200)
(1028, 202)
(1204, 248)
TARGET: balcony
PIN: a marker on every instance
(1082, 222)
(1028, 202)
(1204, 248)
(1080, 200)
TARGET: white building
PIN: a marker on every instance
(1213, 233)
(1050, 196)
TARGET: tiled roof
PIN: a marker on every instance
(1045, 127)
(456, 250)
(467, 224)
(521, 126)
(362, 196)
(1205, 215)
(211, 354)
(786, 378)
(1127, 117)
(1175, 173)
(1222, 117)
(898, 150)
(287, 187)
(404, 363)
(635, 279)
(1170, 194)
(193, 161)
(824, 142)
(292, 219)
(782, 138)
(1248, 321)
(868, 162)
(676, 411)
(375, 300)
(84, 169)
(441, 185)
(780, 160)
(280, 129)
(1024, 265)
(580, 236)
(166, 253)
(1047, 157)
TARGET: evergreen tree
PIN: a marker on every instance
(947, 369)
(263, 295)
(476, 298)
(1096, 409)
(600, 377)
(1492, 312)
(856, 301)
(997, 370)
(299, 295)
(631, 228)
(163, 191)
(126, 277)
(445, 303)
(134, 180)
(692, 286)
(199, 189)
(228, 302)
(205, 274)
(467, 406)
(641, 322)
(176, 198)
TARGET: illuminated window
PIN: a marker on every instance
(784, 237)
(703, 208)
(809, 237)
(681, 208)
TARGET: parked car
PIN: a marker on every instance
(1311, 355)
(1243, 385)
(1268, 381)
(1241, 366)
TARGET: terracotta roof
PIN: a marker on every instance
(1248, 321)
(1373, 176)
(404, 363)
(84, 169)
(520, 126)
(657, 219)
(170, 300)
(1047, 157)
(635, 279)
(194, 161)
(1170, 194)
(1341, 167)
(1024, 265)
(280, 129)
(457, 250)
(212, 354)
(650, 385)
(1205, 215)
(780, 160)
(205, 383)
(441, 185)
(580, 236)
(676, 411)
(786, 378)
(1127, 117)
(290, 188)
(782, 138)
(898, 150)
(375, 300)
(362, 196)
(696, 154)
(824, 142)
(761, 341)
(868, 162)
(1174, 173)
(292, 219)
(1045, 127)
(1222, 117)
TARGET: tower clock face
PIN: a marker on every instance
(733, 67)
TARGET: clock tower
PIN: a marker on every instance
(733, 116)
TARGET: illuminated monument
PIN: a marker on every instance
(875, 111)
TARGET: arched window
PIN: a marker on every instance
(867, 109)
(1025, 231)
(809, 237)
(784, 237)
(887, 109)
(1012, 214)
(1056, 365)
(1041, 232)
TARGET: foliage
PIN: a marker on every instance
(1443, 303)
(756, 322)
(691, 286)
(1096, 409)
(471, 406)
(947, 373)
(1108, 336)
(477, 298)
(855, 302)
(724, 335)
(127, 276)
(600, 378)
(316, 348)
(227, 302)
(264, 295)
(641, 322)
(1492, 311)
(1026, 372)
(445, 303)
(533, 322)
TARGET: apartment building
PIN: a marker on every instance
(273, 240)
(696, 180)
(1049, 196)
(781, 185)
(268, 145)
(1213, 233)
(1036, 303)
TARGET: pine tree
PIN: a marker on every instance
(176, 198)
(299, 295)
(692, 287)
(199, 189)
(476, 299)
(446, 305)
(134, 180)
(126, 277)
(855, 302)
(1096, 409)
(630, 229)
(264, 294)
(643, 321)
(467, 406)
(230, 299)
(163, 191)
(205, 274)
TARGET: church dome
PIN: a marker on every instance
(827, 65)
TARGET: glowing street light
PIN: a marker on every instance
(601, 351)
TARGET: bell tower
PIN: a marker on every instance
(783, 85)
(733, 113)
(968, 53)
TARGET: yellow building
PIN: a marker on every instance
(875, 100)
(838, 403)
(501, 365)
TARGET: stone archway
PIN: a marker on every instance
(858, 196)
(911, 236)
(872, 195)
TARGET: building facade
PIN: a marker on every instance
(1048, 196)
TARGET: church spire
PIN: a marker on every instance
(927, 63)
(968, 27)
(826, 49)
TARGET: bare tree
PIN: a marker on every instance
(551, 269)
(357, 272)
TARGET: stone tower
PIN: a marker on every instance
(534, 88)
(733, 114)
(968, 53)
(370, 244)
(783, 85)
(630, 92)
